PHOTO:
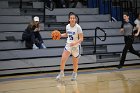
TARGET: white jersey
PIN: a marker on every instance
(137, 22)
(73, 32)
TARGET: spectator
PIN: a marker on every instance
(32, 36)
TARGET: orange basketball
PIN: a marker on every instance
(56, 35)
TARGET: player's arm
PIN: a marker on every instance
(79, 40)
(122, 29)
(81, 37)
(138, 32)
(138, 28)
(64, 35)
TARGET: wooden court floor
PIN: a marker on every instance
(103, 80)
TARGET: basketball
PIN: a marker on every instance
(56, 35)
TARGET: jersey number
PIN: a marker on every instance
(71, 37)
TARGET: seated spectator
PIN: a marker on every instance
(32, 36)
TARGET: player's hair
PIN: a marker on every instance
(125, 13)
(33, 25)
(77, 18)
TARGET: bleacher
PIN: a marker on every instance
(15, 58)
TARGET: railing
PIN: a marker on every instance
(47, 4)
(50, 7)
(98, 28)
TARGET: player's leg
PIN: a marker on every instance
(65, 56)
(75, 63)
(75, 67)
(75, 59)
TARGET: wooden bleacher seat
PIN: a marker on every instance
(15, 19)
(4, 4)
(12, 45)
(86, 25)
(65, 11)
(84, 18)
(16, 27)
(10, 11)
(119, 47)
(24, 54)
(47, 34)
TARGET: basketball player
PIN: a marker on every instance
(137, 22)
(74, 36)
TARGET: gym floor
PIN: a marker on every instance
(99, 80)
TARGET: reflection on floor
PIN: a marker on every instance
(105, 80)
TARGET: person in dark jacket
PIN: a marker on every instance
(127, 30)
(32, 36)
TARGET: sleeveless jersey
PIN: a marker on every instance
(73, 32)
